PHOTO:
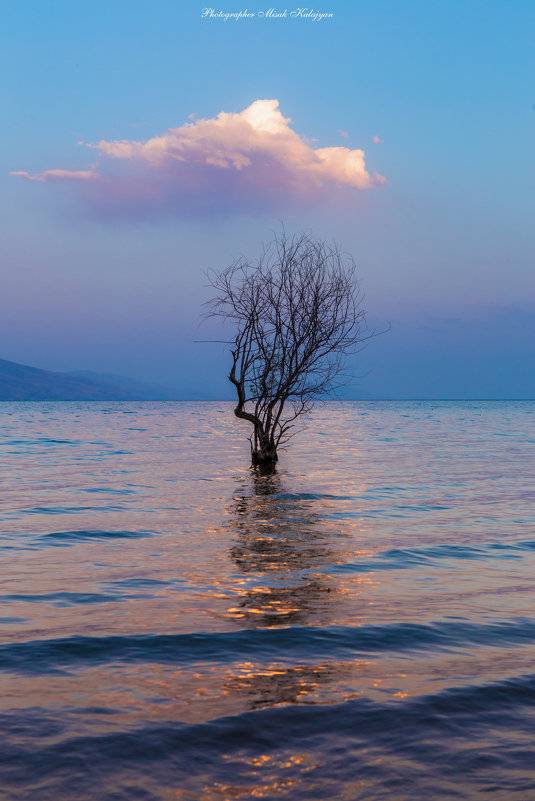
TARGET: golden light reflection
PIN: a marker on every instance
(279, 540)
(269, 775)
(273, 685)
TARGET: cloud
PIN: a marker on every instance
(376, 140)
(232, 162)
(59, 175)
(343, 133)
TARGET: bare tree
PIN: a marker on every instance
(297, 314)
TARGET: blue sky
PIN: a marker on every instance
(98, 276)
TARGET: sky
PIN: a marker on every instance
(144, 144)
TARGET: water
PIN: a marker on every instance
(359, 626)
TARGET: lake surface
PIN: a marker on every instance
(360, 625)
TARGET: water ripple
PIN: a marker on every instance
(306, 643)
(356, 626)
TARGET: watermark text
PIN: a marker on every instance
(271, 14)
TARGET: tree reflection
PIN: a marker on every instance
(280, 542)
(271, 685)
(281, 546)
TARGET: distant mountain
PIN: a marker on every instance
(138, 390)
(20, 382)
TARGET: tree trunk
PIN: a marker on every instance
(264, 455)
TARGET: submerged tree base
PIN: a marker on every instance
(264, 459)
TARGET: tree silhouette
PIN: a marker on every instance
(296, 314)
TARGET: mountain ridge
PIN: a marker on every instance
(20, 382)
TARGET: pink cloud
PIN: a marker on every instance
(343, 133)
(376, 140)
(232, 161)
